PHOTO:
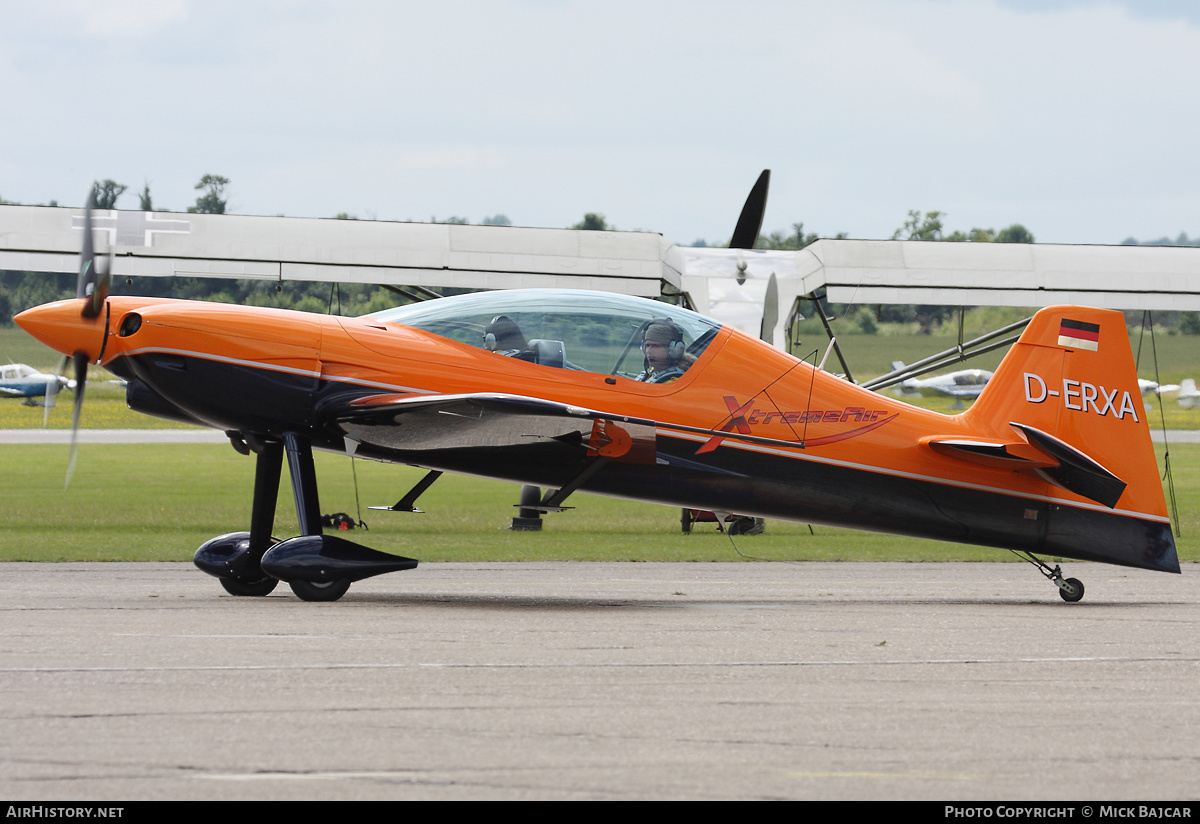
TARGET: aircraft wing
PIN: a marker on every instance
(165, 244)
(730, 284)
(482, 420)
(423, 423)
(1001, 274)
(15, 393)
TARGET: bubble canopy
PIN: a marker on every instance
(564, 328)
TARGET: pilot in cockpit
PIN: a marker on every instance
(666, 354)
(504, 337)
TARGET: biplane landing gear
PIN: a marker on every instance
(1069, 589)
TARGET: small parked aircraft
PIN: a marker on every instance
(965, 383)
(1149, 387)
(552, 387)
(19, 380)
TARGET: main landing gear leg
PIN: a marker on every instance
(236, 559)
(1070, 589)
(316, 566)
(308, 513)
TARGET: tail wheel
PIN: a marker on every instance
(324, 591)
(1071, 590)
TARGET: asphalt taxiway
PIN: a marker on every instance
(965, 681)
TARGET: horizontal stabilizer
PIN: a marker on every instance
(1057, 462)
(991, 453)
(1076, 472)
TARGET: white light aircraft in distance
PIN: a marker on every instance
(965, 383)
(19, 380)
(1149, 387)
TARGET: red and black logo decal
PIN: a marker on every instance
(744, 416)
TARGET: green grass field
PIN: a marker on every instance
(161, 501)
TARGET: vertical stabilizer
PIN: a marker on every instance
(1072, 377)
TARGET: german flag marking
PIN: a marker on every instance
(1079, 334)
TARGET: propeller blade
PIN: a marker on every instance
(749, 224)
(103, 284)
(93, 285)
(48, 402)
(770, 316)
(83, 286)
(63, 381)
(81, 365)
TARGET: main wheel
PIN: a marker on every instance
(324, 591)
(226, 557)
(263, 587)
(1073, 590)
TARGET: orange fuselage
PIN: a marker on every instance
(748, 428)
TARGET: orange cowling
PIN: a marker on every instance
(62, 327)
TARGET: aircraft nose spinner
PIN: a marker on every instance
(62, 327)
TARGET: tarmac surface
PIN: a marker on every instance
(133, 681)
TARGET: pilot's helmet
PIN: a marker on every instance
(669, 334)
(503, 334)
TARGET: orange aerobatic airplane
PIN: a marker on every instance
(575, 390)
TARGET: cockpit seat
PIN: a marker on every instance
(549, 352)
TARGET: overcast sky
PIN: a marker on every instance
(1077, 119)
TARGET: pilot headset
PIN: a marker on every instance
(501, 323)
(675, 345)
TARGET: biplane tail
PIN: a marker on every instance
(1065, 405)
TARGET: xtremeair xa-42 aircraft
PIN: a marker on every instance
(574, 390)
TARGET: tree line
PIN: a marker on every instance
(104, 194)
(211, 201)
